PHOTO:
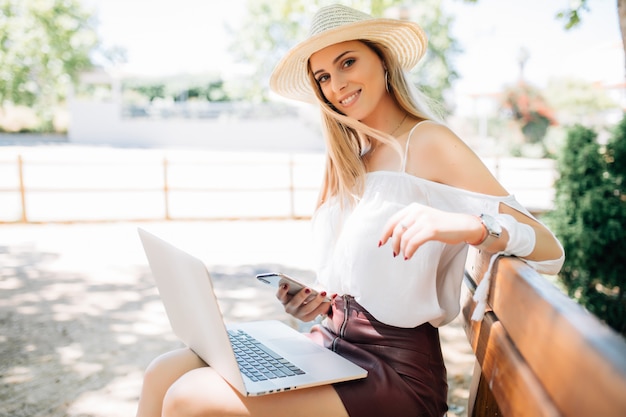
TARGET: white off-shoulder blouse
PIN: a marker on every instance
(398, 292)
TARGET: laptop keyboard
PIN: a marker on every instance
(258, 362)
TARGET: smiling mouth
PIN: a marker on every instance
(346, 101)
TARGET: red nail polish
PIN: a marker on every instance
(323, 293)
(380, 243)
(406, 258)
(284, 286)
(395, 254)
(333, 296)
(307, 291)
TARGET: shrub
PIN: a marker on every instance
(590, 220)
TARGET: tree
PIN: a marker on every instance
(272, 26)
(44, 45)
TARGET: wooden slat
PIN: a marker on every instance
(580, 362)
(481, 402)
(514, 386)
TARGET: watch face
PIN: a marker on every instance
(492, 225)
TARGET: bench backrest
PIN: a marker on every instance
(538, 352)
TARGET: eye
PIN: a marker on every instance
(348, 62)
(322, 78)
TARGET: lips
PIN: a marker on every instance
(350, 99)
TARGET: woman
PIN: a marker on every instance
(402, 199)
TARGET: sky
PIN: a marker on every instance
(493, 31)
(164, 37)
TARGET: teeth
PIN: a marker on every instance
(349, 99)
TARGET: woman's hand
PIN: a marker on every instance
(416, 224)
(303, 305)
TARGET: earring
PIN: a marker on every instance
(387, 80)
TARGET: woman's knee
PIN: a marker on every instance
(168, 367)
(179, 401)
(200, 392)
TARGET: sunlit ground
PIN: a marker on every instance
(81, 317)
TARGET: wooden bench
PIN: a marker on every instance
(538, 353)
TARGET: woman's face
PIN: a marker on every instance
(351, 77)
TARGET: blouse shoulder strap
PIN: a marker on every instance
(406, 147)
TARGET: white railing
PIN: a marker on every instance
(111, 184)
(117, 186)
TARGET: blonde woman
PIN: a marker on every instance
(402, 199)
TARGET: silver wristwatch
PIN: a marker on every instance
(494, 231)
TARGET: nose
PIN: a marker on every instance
(338, 83)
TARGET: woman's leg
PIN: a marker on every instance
(160, 375)
(179, 383)
(203, 392)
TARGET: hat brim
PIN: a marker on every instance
(406, 41)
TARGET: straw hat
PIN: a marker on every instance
(337, 23)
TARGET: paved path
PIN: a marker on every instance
(80, 317)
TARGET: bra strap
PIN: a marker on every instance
(406, 147)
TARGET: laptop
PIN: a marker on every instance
(186, 290)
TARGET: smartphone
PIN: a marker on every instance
(276, 279)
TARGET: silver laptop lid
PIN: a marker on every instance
(191, 305)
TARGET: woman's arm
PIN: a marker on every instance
(437, 154)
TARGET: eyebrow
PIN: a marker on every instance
(341, 55)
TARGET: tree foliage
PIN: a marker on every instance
(590, 220)
(274, 26)
(44, 45)
(572, 15)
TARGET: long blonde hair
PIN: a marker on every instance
(347, 138)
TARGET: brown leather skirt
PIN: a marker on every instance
(406, 371)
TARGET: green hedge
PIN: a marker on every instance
(590, 220)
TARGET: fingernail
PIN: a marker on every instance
(395, 254)
(333, 296)
(307, 291)
(284, 286)
(406, 258)
(323, 293)
(380, 243)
